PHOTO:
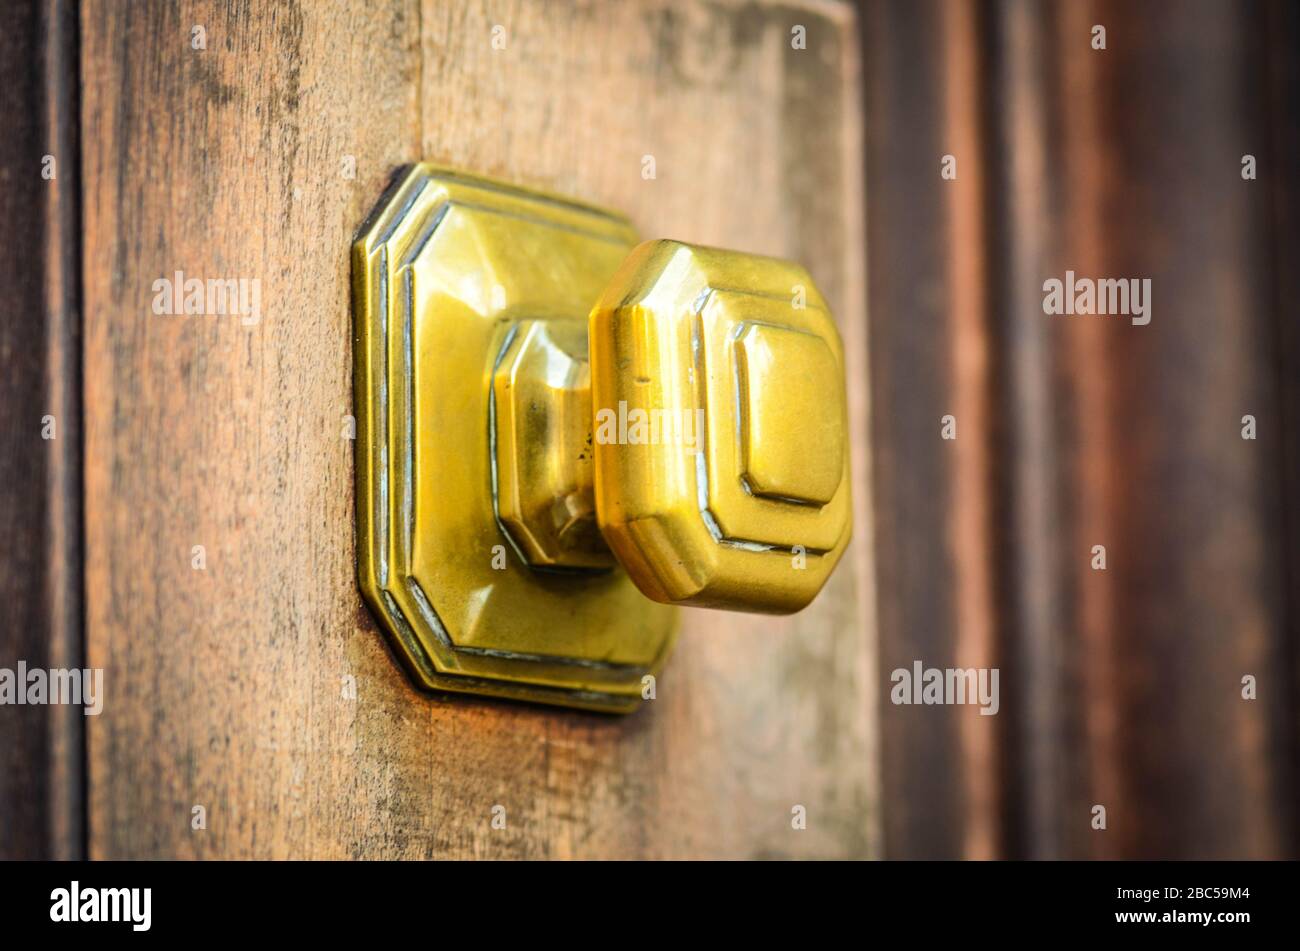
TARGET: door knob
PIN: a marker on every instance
(555, 423)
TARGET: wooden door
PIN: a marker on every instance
(176, 495)
(220, 586)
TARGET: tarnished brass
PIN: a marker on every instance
(526, 462)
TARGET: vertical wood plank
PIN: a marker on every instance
(1120, 687)
(932, 358)
(201, 431)
(1192, 599)
(1281, 27)
(41, 747)
(224, 683)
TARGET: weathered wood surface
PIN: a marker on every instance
(225, 684)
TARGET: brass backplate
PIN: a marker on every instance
(444, 273)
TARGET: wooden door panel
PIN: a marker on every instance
(225, 684)
(41, 759)
(1119, 687)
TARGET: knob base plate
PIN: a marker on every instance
(444, 272)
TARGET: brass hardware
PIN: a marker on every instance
(757, 518)
(544, 458)
(526, 461)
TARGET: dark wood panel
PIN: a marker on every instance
(41, 748)
(930, 353)
(1281, 50)
(1190, 512)
(1120, 687)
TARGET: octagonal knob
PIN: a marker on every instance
(719, 428)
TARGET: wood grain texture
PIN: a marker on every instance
(224, 685)
(1121, 687)
(930, 359)
(41, 747)
(1193, 598)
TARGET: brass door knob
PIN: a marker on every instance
(552, 418)
(737, 494)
